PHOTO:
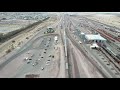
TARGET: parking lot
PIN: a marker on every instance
(41, 57)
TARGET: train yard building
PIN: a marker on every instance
(91, 38)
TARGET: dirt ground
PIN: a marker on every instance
(111, 20)
(86, 68)
(22, 37)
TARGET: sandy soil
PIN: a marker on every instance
(111, 20)
(86, 68)
(22, 37)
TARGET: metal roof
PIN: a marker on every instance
(82, 33)
(94, 37)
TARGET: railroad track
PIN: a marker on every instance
(111, 60)
(85, 28)
(115, 65)
(84, 53)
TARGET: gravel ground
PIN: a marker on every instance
(111, 20)
(86, 68)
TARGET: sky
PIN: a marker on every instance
(85, 13)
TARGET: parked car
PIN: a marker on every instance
(80, 42)
(28, 61)
(42, 68)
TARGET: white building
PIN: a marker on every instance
(90, 38)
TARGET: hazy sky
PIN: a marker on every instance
(84, 13)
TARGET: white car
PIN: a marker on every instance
(26, 58)
(80, 42)
(34, 64)
(42, 68)
(48, 62)
(39, 59)
(94, 46)
(32, 55)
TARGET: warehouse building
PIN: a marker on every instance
(90, 38)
